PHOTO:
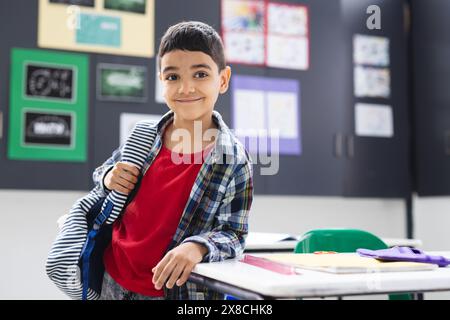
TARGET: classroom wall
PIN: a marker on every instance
(28, 228)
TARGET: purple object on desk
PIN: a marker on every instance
(404, 254)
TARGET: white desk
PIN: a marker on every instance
(250, 282)
(271, 242)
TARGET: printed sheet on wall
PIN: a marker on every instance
(119, 27)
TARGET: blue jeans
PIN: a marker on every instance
(111, 290)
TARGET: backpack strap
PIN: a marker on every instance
(135, 151)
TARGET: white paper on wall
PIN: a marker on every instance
(159, 98)
(371, 50)
(374, 120)
(129, 120)
(287, 19)
(372, 82)
(282, 113)
(239, 15)
(289, 53)
(249, 111)
(244, 47)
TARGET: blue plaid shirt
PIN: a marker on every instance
(216, 213)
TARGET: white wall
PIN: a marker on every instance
(296, 215)
(27, 230)
(28, 227)
(432, 222)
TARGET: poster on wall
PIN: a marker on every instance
(243, 31)
(374, 120)
(49, 82)
(292, 54)
(129, 120)
(287, 39)
(117, 82)
(99, 30)
(102, 26)
(47, 128)
(266, 114)
(86, 3)
(266, 33)
(371, 50)
(136, 6)
(48, 106)
(159, 94)
(372, 82)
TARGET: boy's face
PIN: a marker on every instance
(192, 83)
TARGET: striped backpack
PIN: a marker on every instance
(75, 260)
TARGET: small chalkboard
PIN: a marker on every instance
(85, 3)
(49, 82)
(136, 6)
(48, 128)
(117, 82)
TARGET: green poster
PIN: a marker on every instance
(48, 106)
(136, 6)
(116, 82)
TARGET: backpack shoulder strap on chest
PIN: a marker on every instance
(136, 150)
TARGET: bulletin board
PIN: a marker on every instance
(48, 106)
(314, 88)
(103, 26)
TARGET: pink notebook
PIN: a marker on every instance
(269, 265)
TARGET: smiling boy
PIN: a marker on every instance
(184, 212)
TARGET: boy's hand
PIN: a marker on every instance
(122, 178)
(177, 265)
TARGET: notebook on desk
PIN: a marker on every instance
(345, 263)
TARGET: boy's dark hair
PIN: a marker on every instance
(193, 36)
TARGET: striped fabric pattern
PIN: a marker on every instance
(135, 151)
(62, 261)
(216, 213)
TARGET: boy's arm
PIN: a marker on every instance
(101, 171)
(227, 239)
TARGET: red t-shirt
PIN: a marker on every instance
(141, 237)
